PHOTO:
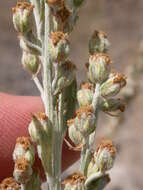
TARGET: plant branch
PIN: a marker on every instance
(32, 45)
(47, 66)
(36, 12)
(55, 78)
(38, 84)
(88, 143)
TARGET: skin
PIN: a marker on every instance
(15, 115)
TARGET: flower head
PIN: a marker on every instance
(22, 15)
(99, 67)
(74, 182)
(9, 183)
(105, 155)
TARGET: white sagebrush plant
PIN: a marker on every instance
(45, 46)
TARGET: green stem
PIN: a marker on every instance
(58, 144)
(47, 66)
(88, 143)
(36, 12)
(85, 157)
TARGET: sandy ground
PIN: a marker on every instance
(122, 20)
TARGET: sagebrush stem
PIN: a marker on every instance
(38, 84)
(47, 66)
(88, 143)
(36, 12)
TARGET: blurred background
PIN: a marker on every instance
(123, 22)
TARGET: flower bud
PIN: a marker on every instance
(24, 149)
(22, 16)
(66, 76)
(105, 155)
(75, 136)
(9, 184)
(99, 67)
(74, 182)
(110, 105)
(60, 19)
(85, 95)
(31, 63)
(40, 128)
(98, 43)
(113, 85)
(97, 181)
(22, 171)
(59, 46)
(85, 120)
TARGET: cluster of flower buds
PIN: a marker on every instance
(100, 162)
(82, 125)
(78, 181)
(99, 71)
(65, 13)
(23, 156)
(74, 182)
(31, 46)
(59, 46)
(9, 184)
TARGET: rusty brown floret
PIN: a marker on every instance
(57, 36)
(108, 145)
(87, 85)
(22, 164)
(84, 109)
(101, 55)
(63, 14)
(24, 141)
(74, 179)
(9, 183)
(122, 107)
(99, 33)
(68, 65)
(23, 6)
(120, 78)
